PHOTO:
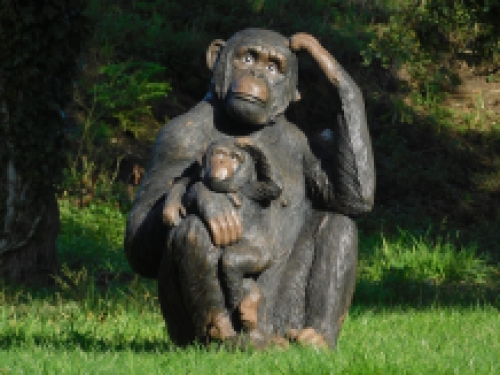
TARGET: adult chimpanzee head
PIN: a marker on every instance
(255, 74)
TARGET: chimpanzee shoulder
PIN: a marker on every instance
(181, 128)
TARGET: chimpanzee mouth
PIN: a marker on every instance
(249, 98)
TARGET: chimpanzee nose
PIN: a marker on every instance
(257, 74)
(250, 87)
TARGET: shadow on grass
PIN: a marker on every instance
(394, 291)
(86, 342)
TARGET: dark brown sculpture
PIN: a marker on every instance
(241, 171)
(181, 238)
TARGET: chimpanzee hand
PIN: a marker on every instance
(219, 214)
(173, 209)
(303, 41)
(172, 212)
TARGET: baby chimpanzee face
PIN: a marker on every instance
(226, 167)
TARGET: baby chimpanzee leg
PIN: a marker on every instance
(238, 261)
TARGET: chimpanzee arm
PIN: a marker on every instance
(177, 147)
(348, 183)
(173, 208)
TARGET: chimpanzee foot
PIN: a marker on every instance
(219, 326)
(248, 308)
(307, 336)
(256, 340)
(261, 340)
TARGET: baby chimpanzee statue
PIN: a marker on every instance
(240, 170)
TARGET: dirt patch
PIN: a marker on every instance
(476, 102)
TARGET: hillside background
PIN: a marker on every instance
(429, 71)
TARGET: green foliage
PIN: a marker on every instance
(92, 237)
(428, 37)
(110, 101)
(126, 91)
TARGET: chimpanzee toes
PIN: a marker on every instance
(308, 337)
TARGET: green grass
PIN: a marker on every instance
(410, 314)
(437, 341)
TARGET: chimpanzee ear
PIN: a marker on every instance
(213, 52)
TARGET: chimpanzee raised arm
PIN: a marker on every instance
(348, 185)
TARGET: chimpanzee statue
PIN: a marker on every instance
(241, 171)
(305, 292)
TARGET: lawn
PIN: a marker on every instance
(418, 310)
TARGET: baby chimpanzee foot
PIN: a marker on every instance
(248, 307)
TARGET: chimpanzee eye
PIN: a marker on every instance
(248, 58)
(272, 68)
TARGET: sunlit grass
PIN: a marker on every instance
(422, 258)
(437, 341)
(88, 323)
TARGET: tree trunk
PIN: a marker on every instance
(29, 227)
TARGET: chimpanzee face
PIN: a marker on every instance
(257, 70)
(260, 61)
(255, 74)
(226, 167)
(223, 163)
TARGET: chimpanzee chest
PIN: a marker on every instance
(286, 157)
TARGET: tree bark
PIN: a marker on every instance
(41, 42)
(28, 252)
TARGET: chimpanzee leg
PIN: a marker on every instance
(197, 261)
(237, 261)
(332, 277)
(144, 249)
(180, 327)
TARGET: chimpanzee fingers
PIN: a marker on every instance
(226, 229)
(230, 229)
(302, 41)
(221, 218)
(233, 228)
(171, 216)
(223, 225)
(215, 232)
(235, 225)
(238, 225)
